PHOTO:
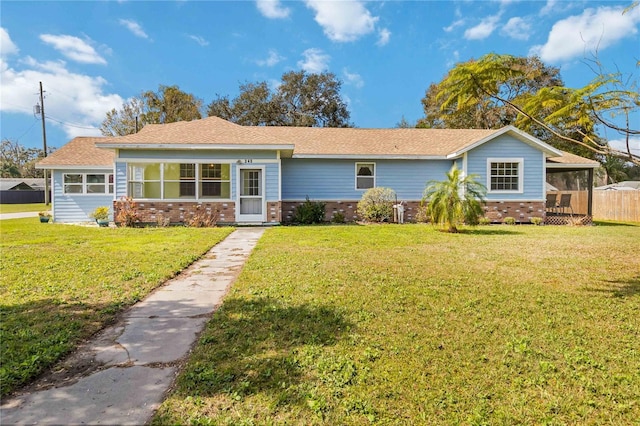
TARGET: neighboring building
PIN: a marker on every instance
(260, 174)
(627, 185)
(21, 190)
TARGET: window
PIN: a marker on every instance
(505, 175)
(169, 181)
(144, 180)
(73, 184)
(77, 183)
(215, 181)
(365, 175)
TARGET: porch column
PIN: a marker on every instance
(590, 192)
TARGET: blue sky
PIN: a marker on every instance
(93, 56)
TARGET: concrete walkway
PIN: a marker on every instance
(136, 360)
(17, 215)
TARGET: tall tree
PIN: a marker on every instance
(125, 121)
(18, 161)
(169, 104)
(513, 77)
(306, 100)
(562, 116)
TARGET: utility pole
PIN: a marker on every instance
(44, 144)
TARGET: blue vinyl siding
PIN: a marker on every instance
(196, 154)
(272, 181)
(507, 146)
(120, 180)
(77, 207)
(321, 179)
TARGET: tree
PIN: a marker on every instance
(455, 200)
(305, 100)
(168, 105)
(19, 161)
(125, 121)
(457, 102)
(562, 116)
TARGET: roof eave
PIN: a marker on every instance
(370, 157)
(241, 147)
(519, 134)
(572, 165)
(73, 166)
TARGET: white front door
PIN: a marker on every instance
(251, 195)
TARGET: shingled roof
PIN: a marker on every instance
(300, 142)
(205, 132)
(80, 152)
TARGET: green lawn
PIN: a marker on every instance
(61, 283)
(19, 208)
(408, 325)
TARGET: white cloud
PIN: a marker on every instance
(549, 7)
(75, 99)
(621, 144)
(271, 60)
(454, 25)
(200, 40)
(593, 30)
(343, 21)
(7, 47)
(272, 9)
(73, 48)
(353, 78)
(134, 27)
(315, 60)
(483, 29)
(517, 28)
(383, 37)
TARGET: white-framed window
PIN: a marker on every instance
(170, 181)
(87, 183)
(505, 174)
(365, 175)
(215, 181)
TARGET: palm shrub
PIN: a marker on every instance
(455, 200)
(376, 204)
(309, 212)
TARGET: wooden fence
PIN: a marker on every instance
(607, 205)
(616, 205)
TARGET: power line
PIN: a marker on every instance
(70, 124)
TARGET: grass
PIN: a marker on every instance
(408, 325)
(19, 208)
(59, 284)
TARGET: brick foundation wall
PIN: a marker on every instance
(274, 212)
(522, 212)
(177, 212)
(347, 208)
(494, 210)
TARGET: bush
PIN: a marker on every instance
(200, 217)
(127, 212)
(484, 221)
(509, 220)
(338, 217)
(536, 220)
(376, 205)
(309, 212)
(422, 214)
